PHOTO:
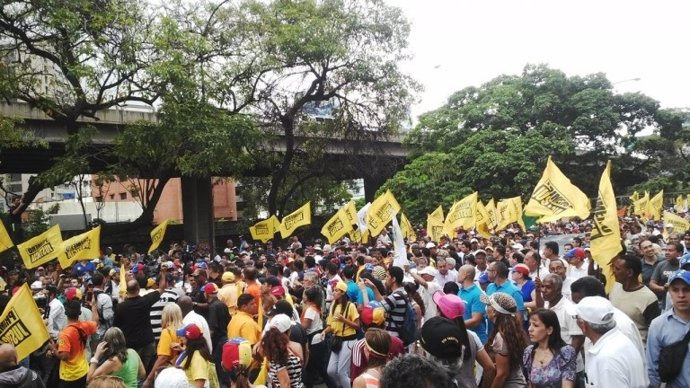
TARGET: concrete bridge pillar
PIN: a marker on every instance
(197, 210)
(371, 184)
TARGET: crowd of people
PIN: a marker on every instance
(515, 309)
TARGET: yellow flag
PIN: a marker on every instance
(462, 214)
(491, 212)
(337, 226)
(482, 220)
(641, 205)
(42, 248)
(634, 197)
(22, 325)
(509, 211)
(555, 197)
(407, 228)
(655, 205)
(517, 209)
(605, 241)
(437, 214)
(81, 247)
(679, 204)
(350, 210)
(158, 234)
(680, 224)
(294, 220)
(381, 212)
(434, 224)
(122, 288)
(265, 230)
(5, 240)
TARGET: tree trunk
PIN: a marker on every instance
(279, 174)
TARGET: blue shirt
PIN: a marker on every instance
(355, 294)
(664, 330)
(470, 296)
(526, 290)
(508, 288)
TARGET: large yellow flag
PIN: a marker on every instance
(655, 205)
(337, 226)
(5, 240)
(482, 221)
(605, 241)
(491, 212)
(42, 248)
(680, 224)
(158, 234)
(81, 247)
(634, 197)
(21, 324)
(265, 230)
(462, 214)
(381, 212)
(350, 210)
(641, 205)
(122, 287)
(555, 197)
(437, 214)
(508, 211)
(294, 220)
(679, 204)
(434, 224)
(407, 228)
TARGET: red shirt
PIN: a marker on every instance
(358, 364)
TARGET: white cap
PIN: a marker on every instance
(281, 322)
(37, 285)
(326, 248)
(474, 240)
(594, 309)
(227, 250)
(517, 246)
(427, 271)
(430, 245)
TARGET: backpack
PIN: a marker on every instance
(102, 322)
(408, 330)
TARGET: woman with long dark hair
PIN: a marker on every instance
(112, 357)
(377, 345)
(284, 367)
(196, 360)
(313, 324)
(450, 306)
(507, 340)
(343, 323)
(548, 362)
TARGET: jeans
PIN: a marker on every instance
(339, 364)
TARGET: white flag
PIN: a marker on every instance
(400, 258)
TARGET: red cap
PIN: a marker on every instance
(190, 331)
(210, 288)
(278, 291)
(73, 293)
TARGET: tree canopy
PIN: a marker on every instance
(496, 139)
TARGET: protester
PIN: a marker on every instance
(112, 357)
(14, 375)
(414, 371)
(243, 324)
(342, 323)
(377, 345)
(71, 345)
(167, 349)
(313, 324)
(285, 366)
(549, 362)
(196, 359)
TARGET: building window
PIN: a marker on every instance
(123, 196)
(112, 196)
(99, 199)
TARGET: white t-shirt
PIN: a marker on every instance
(614, 362)
(427, 297)
(316, 324)
(200, 321)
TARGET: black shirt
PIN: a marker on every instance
(218, 320)
(133, 317)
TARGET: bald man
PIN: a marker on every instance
(190, 316)
(13, 375)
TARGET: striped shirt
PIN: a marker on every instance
(395, 305)
(294, 369)
(168, 296)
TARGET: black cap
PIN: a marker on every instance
(441, 338)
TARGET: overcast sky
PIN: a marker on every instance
(459, 43)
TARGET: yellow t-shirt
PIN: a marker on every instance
(75, 367)
(243, 325)
(168, 336)
(197, 370)
(340, 328)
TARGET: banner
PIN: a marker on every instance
(381, 212)
(461, 215)
(605, 240)
(491, 212)
(42, 248)
(22, 325)
(555, 197)
(407, 228)
(81, 247)
(5, 240)
(655, 205)
(294, 220)
(158, 234)
(680, 224)
(265, 230)
(337, 226)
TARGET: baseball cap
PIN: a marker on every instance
(281, 322)
(202, 265)
(517, 246)
(277, 291)
(210, 288)
(37, 285)
(575, 252)
(521, 268)
(373, 314)
(684, 260)
(190, 331)
(474, 240)
(137, 267)
(228, 277)
(451, 305)
(73, 293)
(441, 338)
(484, 278)
(594, 309)
(682, 274)
(430, 245)
(236, 352)
(341, 286)
(427, 271)
(480, 252)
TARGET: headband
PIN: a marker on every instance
(371, 350)
(498, 307)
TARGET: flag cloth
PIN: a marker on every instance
(407, 228)
(294, 220)
(22, 325)
(122, 288)
(42, 248)
(491, 212)
(158, 234)
(381, 212)
(555, 197)
(516, 203)
(641, 205)
(680, 224)
(655, 205)
(362, 218)
(337, 226)
(605, 240)
(81, 247)
(400, 258)
(434, 224)
(5, 240)
(437, 214)
(265, 230)
(634, 197)
(350, 210)
(508, 211)
(461, 215)
(482, 221)
(679, 204)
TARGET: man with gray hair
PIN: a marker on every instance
(14, 375)
(613, 360)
